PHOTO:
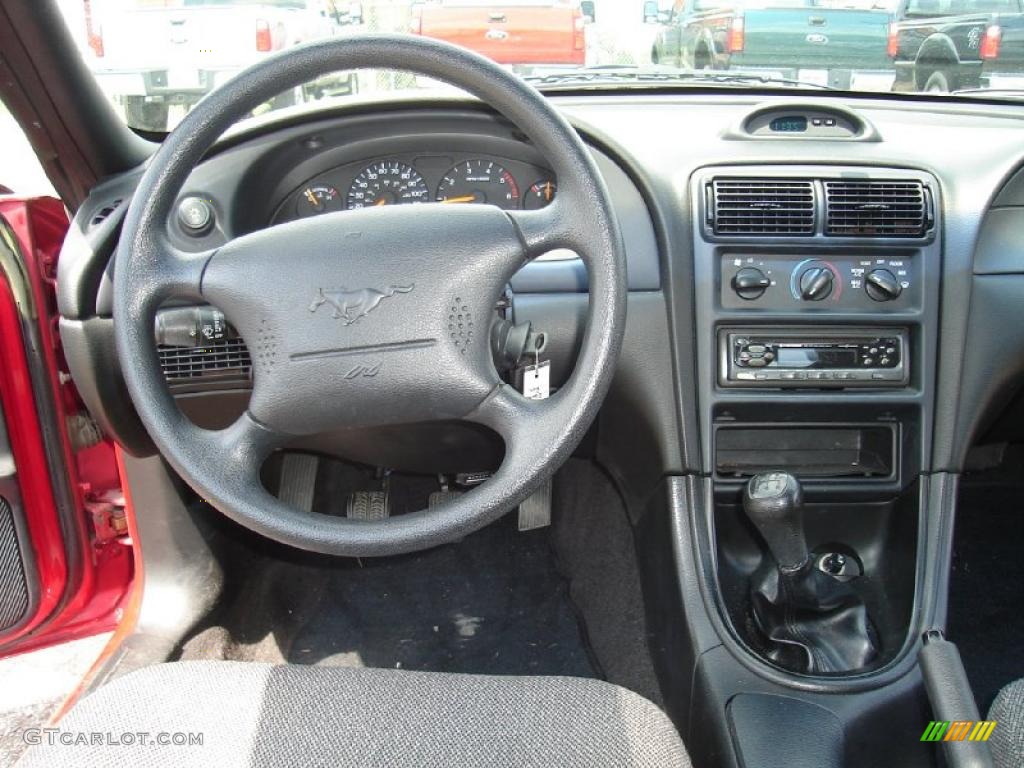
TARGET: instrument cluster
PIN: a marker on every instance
(420, 178)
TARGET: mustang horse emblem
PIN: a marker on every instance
(349, 306)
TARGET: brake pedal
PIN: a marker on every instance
(368, 505)
(535, 511)
(437, 498)
(298, 480)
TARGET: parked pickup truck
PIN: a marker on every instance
(839, 45)
(150, 54)
(518, 32)
(949, 45)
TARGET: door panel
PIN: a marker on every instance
(66, 561)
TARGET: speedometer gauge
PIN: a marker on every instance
(479, 181)
(387, 182)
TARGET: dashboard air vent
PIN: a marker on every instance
(876, 208)
(104, 213)
(218, 359)
(762, 207)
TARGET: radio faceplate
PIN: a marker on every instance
(802, 357)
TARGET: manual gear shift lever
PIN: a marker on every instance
(809, 621)
(774, 503)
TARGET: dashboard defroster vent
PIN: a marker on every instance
(772, 207)
(876, 208)
(221, 358)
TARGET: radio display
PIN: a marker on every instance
(802, 357)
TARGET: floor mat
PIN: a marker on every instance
(987, 585)
(493, 604)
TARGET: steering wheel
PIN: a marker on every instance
(369, 317)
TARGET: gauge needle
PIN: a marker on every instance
(547, 191)
(382, 201)
(463, 199)
(312, 198)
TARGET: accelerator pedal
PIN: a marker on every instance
(535, 511)
(369, 505)
(298, 480)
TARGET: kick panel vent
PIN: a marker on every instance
(876, 208)
(221, 358)
(772, 207)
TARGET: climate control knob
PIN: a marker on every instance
(816, 283)
(750, 283)
(882, 285)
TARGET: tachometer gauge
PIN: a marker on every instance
(479, 181)
(540, 194)
(318, 198)
(387, 182)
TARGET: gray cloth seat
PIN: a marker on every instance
(1007, 740)
(262, 715)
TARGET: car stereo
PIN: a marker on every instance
(797, 357)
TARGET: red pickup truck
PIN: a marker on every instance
(510, 32)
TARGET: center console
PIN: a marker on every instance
(816, 297)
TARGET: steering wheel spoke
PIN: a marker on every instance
(512, 416)
(245, 445)
(544, 230)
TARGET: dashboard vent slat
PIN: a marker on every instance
(221, 358)
(876, 208)
(772, 207)
(104, 213)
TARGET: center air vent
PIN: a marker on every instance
(876, 208)
(228, 358)
(762, 207)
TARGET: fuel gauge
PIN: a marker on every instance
(317, 199)
(540, 195)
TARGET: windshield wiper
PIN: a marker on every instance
(611, 76)
(995, 93)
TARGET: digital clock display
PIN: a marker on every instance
(789, 124)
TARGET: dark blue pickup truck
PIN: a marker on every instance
(951, 45)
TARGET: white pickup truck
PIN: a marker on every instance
(151, 54)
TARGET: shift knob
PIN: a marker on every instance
(774, 503)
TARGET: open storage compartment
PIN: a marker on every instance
(819, 451)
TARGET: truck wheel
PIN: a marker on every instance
(147, 115)
(938, 82)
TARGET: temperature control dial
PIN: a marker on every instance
(816, 283)
(882, 285)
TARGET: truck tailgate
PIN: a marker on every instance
(192, 37)
(521, 33)
(815, 37)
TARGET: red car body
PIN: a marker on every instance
(530, 32)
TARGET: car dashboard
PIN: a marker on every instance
(828, 285)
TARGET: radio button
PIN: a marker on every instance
(884, 361)
(757, 362)
(868, 361)
(756, 349)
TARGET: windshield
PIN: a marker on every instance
(156, 59)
